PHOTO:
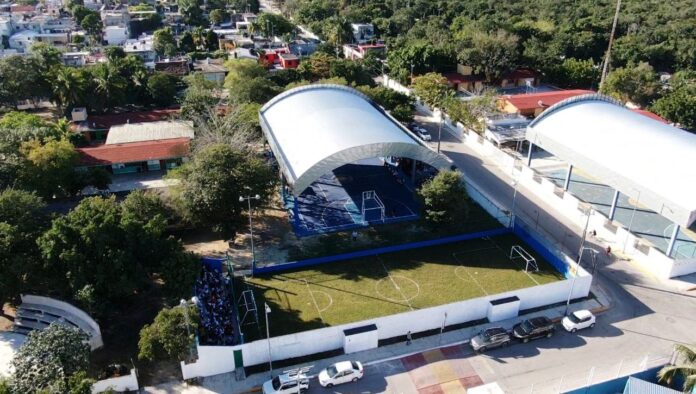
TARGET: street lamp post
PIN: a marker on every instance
(580, 252)
(439, 132)
(268, 338)
(184, 305)
(251, 229)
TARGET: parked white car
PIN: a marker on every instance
(286, 384)
(343, 372)
(423, 134)
(578, 320)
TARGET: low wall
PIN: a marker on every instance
(371, 252)
(121, 383)
(95, 340)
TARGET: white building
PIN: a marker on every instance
(115, 35)
(23, 40)
(362, 32)
(115, 17)
(141, 47)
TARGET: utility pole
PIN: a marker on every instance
(607, 58)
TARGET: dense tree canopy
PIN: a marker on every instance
(445, 201)
(170, 336)
(49, 358)
(214, 179)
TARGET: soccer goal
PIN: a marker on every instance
(370, 203)
(247, 302)
(518, 252)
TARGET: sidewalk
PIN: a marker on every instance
(226, 383)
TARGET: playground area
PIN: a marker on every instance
(353, 196)
(337, 293)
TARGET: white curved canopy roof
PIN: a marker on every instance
(315, 129)
(645, 159)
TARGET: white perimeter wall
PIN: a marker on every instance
(121, 383)
(214, 360)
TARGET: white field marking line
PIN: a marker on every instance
(394, 283)
(309, 289)
(328, 296)
(467, 271)
(514, 261)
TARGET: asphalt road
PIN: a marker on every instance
(647, 316)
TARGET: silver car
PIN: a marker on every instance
(490, 338)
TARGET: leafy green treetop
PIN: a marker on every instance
(49, 358)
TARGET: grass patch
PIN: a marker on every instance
(353, 290)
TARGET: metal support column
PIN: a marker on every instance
(568, 174)
(413, 171)
(614, 203)
(672, 240)
(529, 154)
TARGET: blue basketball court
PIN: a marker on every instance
(353, 196)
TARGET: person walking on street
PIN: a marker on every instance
(408, 338)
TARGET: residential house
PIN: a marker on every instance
(212, 69)
(23, 40)
(355, 52)
(288, 60)
(75, 59)
(140, 147)
(115, 35)
(362, 32)
(177, 67)
(141, 47)
(531, 105)
(95, 128)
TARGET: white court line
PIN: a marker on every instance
(467, 271)
(394, 283)
(309, 289)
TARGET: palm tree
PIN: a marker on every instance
(68, 84)
(109, 86)
(684, 367)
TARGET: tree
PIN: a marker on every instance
(679, 103)
(109, 86)
(257, 90)
(419, 56)
(492, 54)
(270, 24)
(353, 72)
(432, 88)
(50, 168)
(574, 73)
(69, 88)
(685, 369)
(242, 69)
(49, 358)
(22, 120)
(212, 41)
(162, 88)
(20, 80)
(245, 5)
(22, 220)
(186, 43)
(216, 17)
(634, 83)
(445, 201)
(213, 180)
(163, 42)
(472, 113)
(92, 24)
(318, 66)
(170, 336)
(398, 104)
(191, 10)
(198, 97)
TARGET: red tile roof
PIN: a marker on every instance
(107, 121)
(531, 101)
(133, 152)
(650, 115)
